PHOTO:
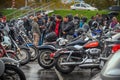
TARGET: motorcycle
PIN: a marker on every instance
(46, 51)
(47, 48)
(9, 69)
(89, 55)
(3, 51)
(22, 52)
(26, 42)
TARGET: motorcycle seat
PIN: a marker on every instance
(77, 42)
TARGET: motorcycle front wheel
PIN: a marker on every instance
(63, 68)
(44, 59)
(12, 73)
(23, 56)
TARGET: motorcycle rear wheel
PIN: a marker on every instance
(63, 68)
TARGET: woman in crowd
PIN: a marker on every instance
(114, 23)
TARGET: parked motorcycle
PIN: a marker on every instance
(3, 51)
(22, 52)
(9, 70)
(86, 56)
(47, 48)
(26, 42)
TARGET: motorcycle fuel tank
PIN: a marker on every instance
(91, 44)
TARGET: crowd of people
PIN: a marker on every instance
(41, 25)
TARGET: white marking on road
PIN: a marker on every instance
(58, 74)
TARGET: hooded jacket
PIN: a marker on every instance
(70, 28)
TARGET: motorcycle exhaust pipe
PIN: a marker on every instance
(89, 65)
(74, 63)
(80, 64)
(71, 63)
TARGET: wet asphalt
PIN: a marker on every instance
(34, 72)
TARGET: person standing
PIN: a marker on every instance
(114, 23)
(58, 26)
(27, 25)
(50, 24)
(36, 31)
(41, 23)
(70, 28)
(64, 23)
(76, 21)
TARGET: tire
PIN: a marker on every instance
(63, 69)
(11, 72)
(44, 59)
(24, 56)
(34, 53)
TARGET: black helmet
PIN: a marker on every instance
(51, 37)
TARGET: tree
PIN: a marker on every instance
(101, 4)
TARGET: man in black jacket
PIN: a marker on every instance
(27, 25)
(69, 28)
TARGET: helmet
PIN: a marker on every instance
(51, 37)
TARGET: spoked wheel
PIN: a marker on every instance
(34, 53)
(44, 59)
(12, 73)
(23, 56)
(63, 68)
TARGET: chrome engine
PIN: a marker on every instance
(94, 51)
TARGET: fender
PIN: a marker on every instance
(7, 60)
(29, 44)
(47, 47)
(11, 51)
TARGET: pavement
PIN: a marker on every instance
(34, 72)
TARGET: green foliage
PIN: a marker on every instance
(12, 13)
(63, 13)
(6, 12)
(80, 12)
(101, 4)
